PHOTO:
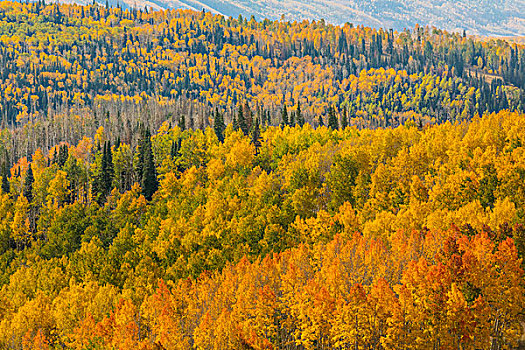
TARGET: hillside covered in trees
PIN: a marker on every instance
(302, 238)
(65, 70)
(178, 180)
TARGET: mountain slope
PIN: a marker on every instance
(479, 17)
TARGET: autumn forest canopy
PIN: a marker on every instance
(181, 180)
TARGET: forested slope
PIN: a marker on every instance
(478, 17)
(65, 70)
(387, 236)
(180, 180)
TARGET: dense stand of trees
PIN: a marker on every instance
(287, 237)
(177, 180)
(65, 70)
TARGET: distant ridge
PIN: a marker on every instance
(477, 17)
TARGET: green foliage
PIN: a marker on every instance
(103, 182)
(147, 170)
(141, 67)
(332, 119)
(218, 126)
(411, 146)
(28, 184)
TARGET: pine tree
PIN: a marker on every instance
(28, 184)
(5, 175)
(248, 117)
(139, 165)
(256, 136)
(299, 115)
(149, 181)
(218, 126)
(55, 157)
(174, 148)
(284, 116)
(149, 178)
(320, 121)
(108, 171)
(103, 182)
(332, 119)
(241, 120)
(344, 119)
(62, 155)
(235, 124)
(5, 181)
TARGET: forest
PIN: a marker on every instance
(181, 180)
(65, 70)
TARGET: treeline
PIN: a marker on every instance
(284, 237)
(65, 70)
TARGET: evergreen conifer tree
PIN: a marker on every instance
(256, 136)
(150, 183)
(248, 117)
(284, 116)
(332, 119)
(5, 175)
(218, 126)
(108, 172)
(62, 155)
(241, 120)
(148, 176)
(299, 115)
(103, 182)
(235, 124)
(28, 184)
(174, 149)
(344, 119)
(5, 181)
(139, 165)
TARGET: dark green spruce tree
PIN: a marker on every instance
(284, 116)
(344, 118)
(139, 164)
(219, 126)
(150, 182)
(55, 157)
(175, 148)
(62, 155)
(5, 180)
(235, 123)
(28, 193)
(320, 121)
(332, 119)
(148, 176)
(103, 182)
(108, 171)
(299, 115)
(241, 120)
(256, 136)
(28, 184)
